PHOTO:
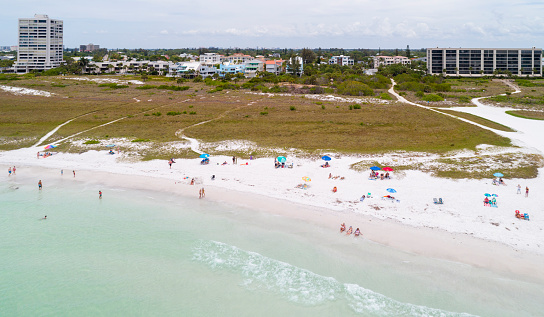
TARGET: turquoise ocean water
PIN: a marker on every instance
(146, 253)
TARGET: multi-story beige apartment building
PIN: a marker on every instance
(40, 44)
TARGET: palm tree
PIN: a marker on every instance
(82, 63)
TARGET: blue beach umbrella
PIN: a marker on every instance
(281, 159)
(391, 190)
(495, 195)
(487, 195)
(204, 155)
(375, 168)
(326, 158)
(498, 175)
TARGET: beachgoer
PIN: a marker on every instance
(170, 163)
(342, 227)
(357, 232)
(519, 189)
(526, 191)
(387, 175)
(40, 185)
(501, 181)
(334, 189)
(9, 171)
(45, 217)
(213, 177)
(38, 155)
(203, 193)
(251, 157)
(200, 193)
(234, 160)
(486, 201)
(350, 230)
(74, 173)
(362, 198)
(61, 172)
(192, 181)
(14, 170)
(330, 175)
(100, 194)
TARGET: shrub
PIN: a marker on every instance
(92, 142)
(113, 86)
(174, 88)
(58, 85)
(356, 106)
(432, 98)
(420, 94)
(156, 114)
(385, 96)
(192, 112)
(140, 140)
(464, 99)
(173, 113)
(354, 88)
(144, 87)
(264, 113)
(292, 108)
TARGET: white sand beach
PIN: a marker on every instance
(462, 229)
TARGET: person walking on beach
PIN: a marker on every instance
(99, 194)
(40, 185)
(14, 169)
(200, 193)
(519, 189)
(233, 160)
(526, 191)
(61, 172)
(203, 193)
(170, 163)
(74, 173)
(9, 171)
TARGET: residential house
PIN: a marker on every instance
(390, 60)
(210, 58)
(341, 60)
(232, 69)
(252, 67)
(274, 66)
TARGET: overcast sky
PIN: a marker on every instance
(283, 23)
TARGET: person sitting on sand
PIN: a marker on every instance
(362, 198)
(495, 182)
(350, 230)
(224, 163)
(501, 181)
(387, 175)
(192, 181)
(342, 227)
(213, 177)
(334, 189)
(326, 164)
(357, 232)
(381, 176)
(493, 202)
(486, 201)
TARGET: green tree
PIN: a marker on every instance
(307, 55)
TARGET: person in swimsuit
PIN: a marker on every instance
(357, 232)
(350, 230)
(342, 227)
(40, 184)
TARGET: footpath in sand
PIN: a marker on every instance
(409, 224)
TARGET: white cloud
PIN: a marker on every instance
(164, 32)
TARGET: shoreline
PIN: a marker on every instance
(428, 242)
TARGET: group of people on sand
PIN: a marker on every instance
(382, 176)
(325, 165)
(498, 182)
(526, 190)
(490, 202)
(201, 193)
(350, 230)
(44, 155)
(336, 177)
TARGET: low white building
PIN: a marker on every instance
(210, 58)
(191, 69)
(341, 60)
(390, 60)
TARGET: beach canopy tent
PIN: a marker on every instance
(391, 190)
(281, 159)
(326, 158)
(498, 175)
(204, 155)
(375, 168)
(387, 169)
(50, 146)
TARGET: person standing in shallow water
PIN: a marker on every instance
(100, 194)
(74, 173)
(40, 185)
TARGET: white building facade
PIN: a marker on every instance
(485, 61)
(341, 60)
(40, 44)
(390, 60)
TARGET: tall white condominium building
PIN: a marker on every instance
(40, 44)
(485, 61)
